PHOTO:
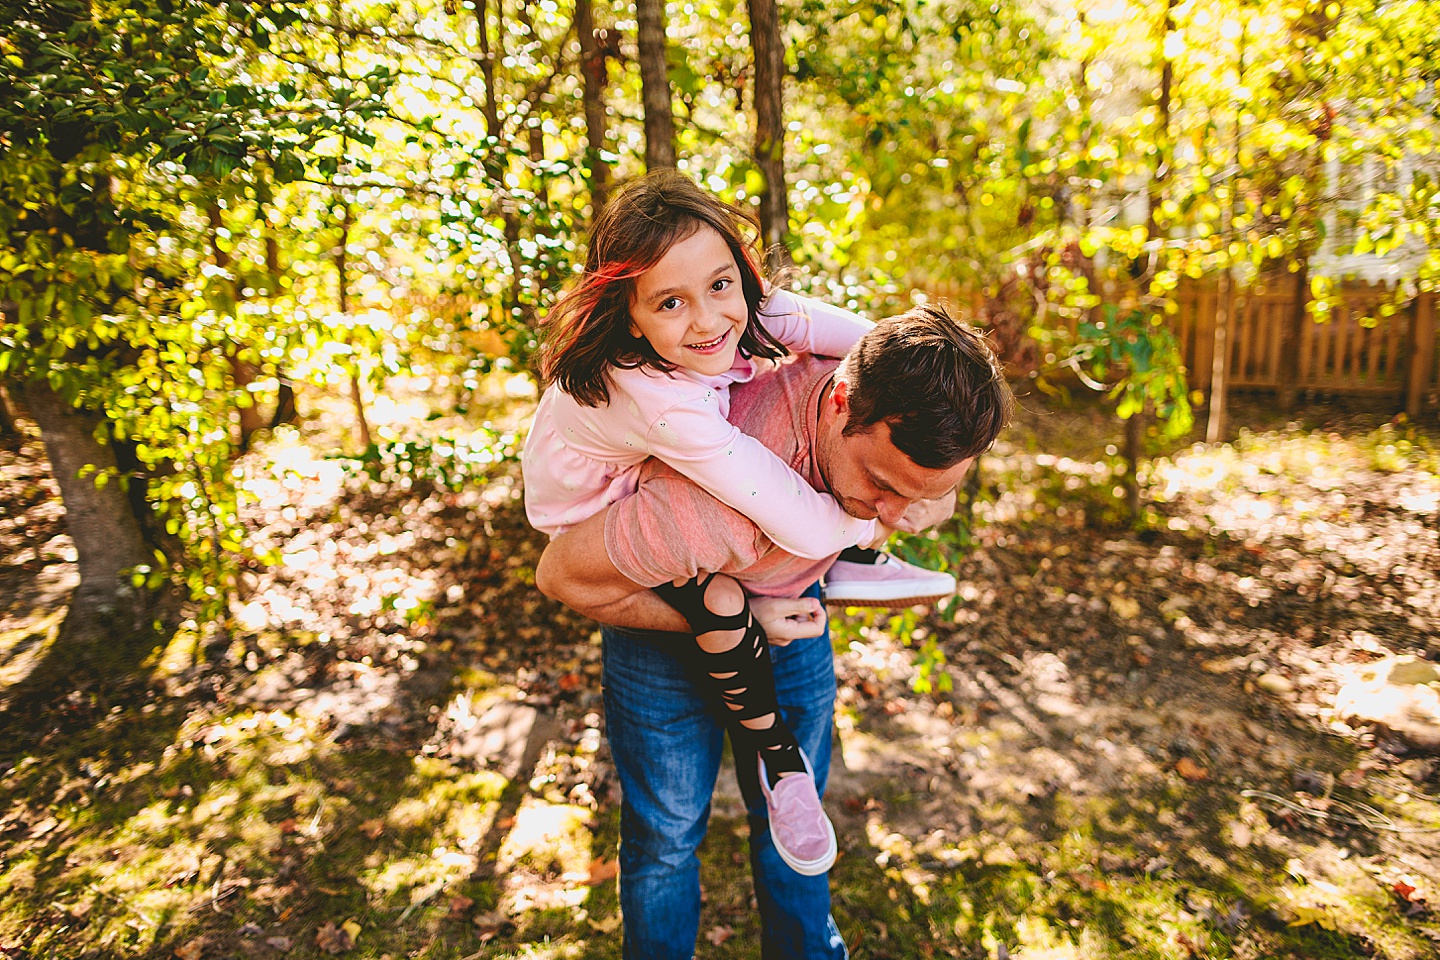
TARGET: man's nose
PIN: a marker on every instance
(891, 510)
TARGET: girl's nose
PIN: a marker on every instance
(706, 316)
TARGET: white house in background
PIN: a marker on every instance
(1355, 185)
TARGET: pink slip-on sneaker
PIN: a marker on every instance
(804, 836)
(866, 578)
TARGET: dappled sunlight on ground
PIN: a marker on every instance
(37, 560)
(1142, 748)
(1150, 744)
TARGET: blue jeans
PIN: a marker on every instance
(667, 739)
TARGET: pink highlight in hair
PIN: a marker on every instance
(575, 310)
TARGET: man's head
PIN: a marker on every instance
(914, 403)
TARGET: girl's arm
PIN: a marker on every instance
(744, 474)
(806, 325)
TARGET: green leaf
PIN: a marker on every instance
(288, 167)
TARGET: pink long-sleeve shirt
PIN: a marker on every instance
(578, 460)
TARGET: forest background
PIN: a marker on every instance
(224, 218)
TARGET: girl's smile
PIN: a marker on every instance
(690, 305)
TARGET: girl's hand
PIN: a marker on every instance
(882, 533)
(784, 620)
(924, 514)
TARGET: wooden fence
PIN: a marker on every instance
(1276, 346)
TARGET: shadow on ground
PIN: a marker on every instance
(400, 752)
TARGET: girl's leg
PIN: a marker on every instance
(735, 655)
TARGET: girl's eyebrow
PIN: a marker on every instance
(668, 292)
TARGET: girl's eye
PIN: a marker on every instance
(670, 303)
(721, 284)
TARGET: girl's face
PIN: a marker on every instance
(690, 305)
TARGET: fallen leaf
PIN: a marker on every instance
(602, 870)
(282, 944)
(333, 939)
(609, 925)
(458, 906)
(1191, 770)
(570, 681)
(191, 950)
(373, 828)
(288, 826)
(1405, 888)
(718, 935)
(1304, 914)
(1126, 608)
(251, 930)
(1274, 683)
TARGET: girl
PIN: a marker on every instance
(638, 359)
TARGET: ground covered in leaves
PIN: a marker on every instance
(1150, 743)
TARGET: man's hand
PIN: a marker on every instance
(924, 514)
(784, 620)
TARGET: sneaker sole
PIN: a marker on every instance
(899, 603)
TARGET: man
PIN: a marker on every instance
(889, 432)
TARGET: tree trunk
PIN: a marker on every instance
(109, 539)
(595, 74)
(655, 85)
(1160, 169)
(242, 373)
(534, 121)
(286, 410)
(770, 128)
(357, 397)
(1422, 353)
(1225, 305)
(491, 104)
(1134, 450)
(495, 163)
(1290, 337)
(8, 426)
(1220, 362)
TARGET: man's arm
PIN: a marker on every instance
(576, 570)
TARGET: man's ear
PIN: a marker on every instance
(840, 396)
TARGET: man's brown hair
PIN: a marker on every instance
(934, 381)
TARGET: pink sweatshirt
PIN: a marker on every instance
(579, 460)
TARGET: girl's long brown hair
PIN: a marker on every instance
(588, 331)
